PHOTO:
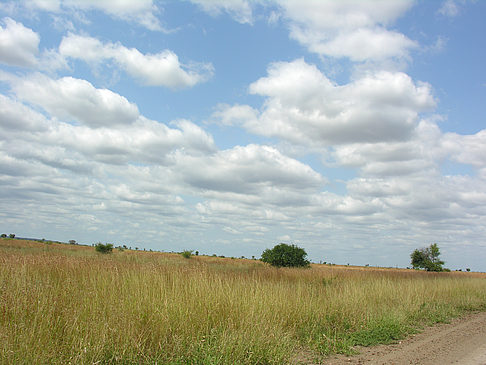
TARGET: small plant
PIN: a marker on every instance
(186, 254)
(197, 253)
(4, 235)
(11, 235)
(104, 248)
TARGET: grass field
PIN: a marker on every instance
(67, 304)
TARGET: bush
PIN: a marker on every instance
(283, 255)
(104, 248)
(186, 254)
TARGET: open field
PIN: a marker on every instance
(63, 304)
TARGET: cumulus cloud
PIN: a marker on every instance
(303, 106)
(161, 69)
(467, 149)
(420, 154)
(16, 117)
(18, 44)
(75, 99)
(365, 44)
(354, 29)
(248, 170)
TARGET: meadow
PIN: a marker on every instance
(67, 304)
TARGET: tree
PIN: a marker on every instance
(283, 255)
(427, 258)
(186, 254)
(104, 248)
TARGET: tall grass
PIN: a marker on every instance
(61, 304)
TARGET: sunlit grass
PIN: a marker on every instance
(63, 304)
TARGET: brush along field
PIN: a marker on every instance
(62, 304)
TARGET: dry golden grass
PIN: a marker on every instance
(63, 304)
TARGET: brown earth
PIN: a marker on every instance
(463, 341)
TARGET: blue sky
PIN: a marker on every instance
(354, 129)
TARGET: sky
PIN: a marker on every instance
(354, 129)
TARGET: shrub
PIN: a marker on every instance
(4, 235)
(104, 248)
(186, 254)
(11, 235)
(283, 255)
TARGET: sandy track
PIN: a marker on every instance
(463, 341)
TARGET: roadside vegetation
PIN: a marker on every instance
(62, 304)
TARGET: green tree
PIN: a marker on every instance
(427, 258)
(186, 254)
(104, 248)
(283, 255)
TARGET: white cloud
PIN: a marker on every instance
(354, 29)
(449, 8)
(235, 114)
(467, 149)
(143, 12)
(366, 44)
(108, 128)
(16, 117)
(162, 68)
(18, 44)
(248, 170)
(46, 5)
(240, 10)
(420, 154)
(304, 107)
(75, 99)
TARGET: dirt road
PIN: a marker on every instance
(463, 341)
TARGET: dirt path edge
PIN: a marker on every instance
(462, 341)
